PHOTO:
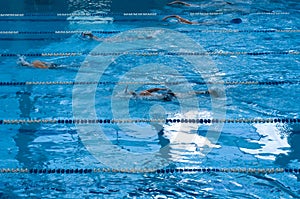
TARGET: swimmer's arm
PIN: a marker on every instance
(90, 35)
(23, 62)
(170, 16)
(151, 90)
(145, 93)
(183, 20)
(96, 38)
(129, 92)
(180, 3)
(179, 18)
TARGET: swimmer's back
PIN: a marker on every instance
(39, 64)
(43, 65)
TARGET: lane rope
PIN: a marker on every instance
(220, 53)
(41, 83)
(105, 32)
(148, 170)
(167, 121)
(134, 14)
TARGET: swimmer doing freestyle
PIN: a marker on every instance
(165, 95)
(95, 38)
(36, 64)
(186, 21)
(182, 3)
(91, 36)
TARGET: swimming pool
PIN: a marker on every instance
(231, 129)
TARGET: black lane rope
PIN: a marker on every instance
(58, 34)
(41, 83)
(134, 14)
(105, 32)
(78, 20)
(220, 53)
(109, 18)
(261, 171)
(167, 121)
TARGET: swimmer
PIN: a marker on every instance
(91, 36)
(186, 21)
(180, 19)
(117, 39)
(167, 95)
(179, 3)
(36, 64)
(188, 4)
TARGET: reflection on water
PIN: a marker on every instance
(271, 142)
(54, 6)
(185, 141)
(89, 6)
(275, 146)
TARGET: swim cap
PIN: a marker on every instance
(236, 21)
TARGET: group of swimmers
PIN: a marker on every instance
(47, 65)
(165, 94)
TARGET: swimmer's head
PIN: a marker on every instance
(236, 21)
(87, 34)
(133, 93)
(130, 92)
(169, 96)
(169, 92)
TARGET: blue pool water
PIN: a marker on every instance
(251, 69)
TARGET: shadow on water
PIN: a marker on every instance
(27, 133)
(294, 154)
